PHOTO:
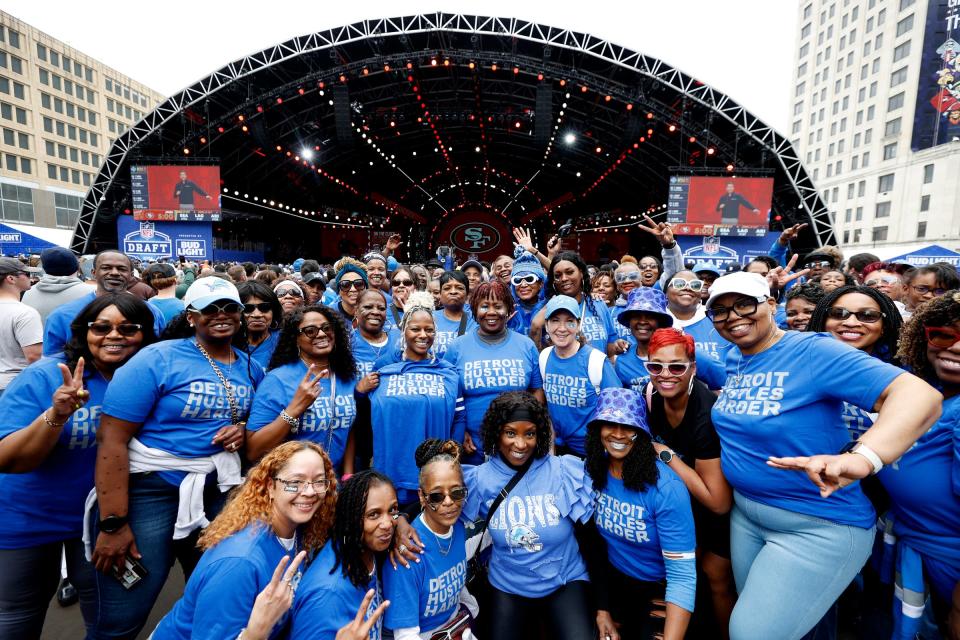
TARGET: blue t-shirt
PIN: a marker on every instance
(326, 425)
(448, 330)
(707, 339)
(262, 353)
(428, 593)
(650, 533)
(56, 328)
(366, 354)
(172, 390)
(857, 420)
(415, 400)
(220, 593)
(623, 332)
(327, 601)
(393, 318)
(534, 548)
(46, 504)
(169, 307)
(487, 370)
(633, 375)
(597, 326)
(924, 486)
(788, 401)
(523, 316)
(571, 397)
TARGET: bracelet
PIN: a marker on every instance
(290, 420)
(875, 461)
(51, 423)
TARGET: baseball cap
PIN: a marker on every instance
(471, 263)
(565, 303)
(10, 266)
(742, 282)
(705, 266)
(205, 291)
(312, 276)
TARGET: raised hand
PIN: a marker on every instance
(522, 236)
(392, 244)
(790, 233)
(663, 230)
(779, 277)
(274, 600)
(358, 629)
(71, 395)
(307, 391)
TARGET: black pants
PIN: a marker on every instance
(565, 612)
(630, 605)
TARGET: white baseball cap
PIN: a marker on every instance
(205, 291)
(742, 282)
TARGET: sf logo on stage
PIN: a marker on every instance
(475, 237)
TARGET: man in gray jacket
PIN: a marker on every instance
(59, 284)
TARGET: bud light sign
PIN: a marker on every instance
(10, 238)
(192, 249)
(164, 240)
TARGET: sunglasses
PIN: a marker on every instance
(126, 329)
(457, 494)
(288, 293)
(401, 283)
(942, 337)
(214, 309)
(262, 307)
(680, 284)
(359, 285)
(674, 368)
(743, 307)
(923, 290)
(649, 266)
(866, 316)
(630, 276)
(818, 263)
(521, 280)
(312, 330)
(876, 282)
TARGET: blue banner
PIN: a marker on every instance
(165, 240)
(936, 117)
(14, 242)
(718, 252)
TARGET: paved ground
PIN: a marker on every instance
(67, 623)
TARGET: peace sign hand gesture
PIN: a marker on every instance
(779, 277)
(307, 391)
(663, 231)
(71, 395)
(790, 233)
(358, 629)
(274, 600)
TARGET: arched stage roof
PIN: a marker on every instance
(413, 119)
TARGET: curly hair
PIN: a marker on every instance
(812, 292)
(493, 290)
(132, 308)
(252, 502)
(604, 273)
(499, 412)
(942, 311)
(886, 346)
(435, 450)
(347, 537)
(574, 257)
(341, 359)
(639, 467)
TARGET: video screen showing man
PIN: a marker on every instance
(729, 205)
(185, 190)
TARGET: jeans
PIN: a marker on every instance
(789, 568)
(565, 612)
(29, 579)
(153, 502)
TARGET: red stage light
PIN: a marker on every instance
(279, 100)
(301, 91)
(629, 107)
(219, 129)
(583, 89)
(516, 70)
(409, 65)
(729, 167)
(607, 98)
(366, 71)
(203, 140)
(386, 67)
(693, 139)
(539, 76)
(563, 83)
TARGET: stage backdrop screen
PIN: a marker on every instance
(707, 206)
(175, 193)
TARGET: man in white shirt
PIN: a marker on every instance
(21, 330)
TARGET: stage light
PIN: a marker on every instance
(366, 71)
(516, 70)
(563, 83)
(693, 139)
(186, 151)
(729, 167)
(219, 129)
(583, 89)
(471, 65)
(607, 98)
(244, 128)
(517, 124)
(306, 153)
(599, 149)
(203, 140)
(539, 76)
(477, 149)
(569, 138)
(629, 106)
(711, 151)
(672, 128)
(240, 117)
(493, 67)
(433, 62)
(409, 66)
(259, 108)
(301, 91)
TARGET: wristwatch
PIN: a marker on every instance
(666, 456)
(861, 449)
(112, 524)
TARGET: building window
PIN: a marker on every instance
(67, 209)
(11, 162)
(924, 203)
(879, 234)
(883, 210)
(890, 151)
(892, 127)
(16, 203)
(856, 236)
(895, 102)
(921, 230)
(859, 214)
(906, 3)
(901, 51)
(51, 171)
(898, 77)
(41, 52)
(885, 183)
(13, 38)
(905, 25)
(846, 236)
(927, 173)
(23, 141)
(805, 31)
(848, 216)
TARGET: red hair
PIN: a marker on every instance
(670, 336)
(493, 290)
(892, 267)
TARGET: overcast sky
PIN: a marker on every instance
(744, 48)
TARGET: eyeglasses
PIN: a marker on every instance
(401, 283)
(942, 337)
(457, 494)
(673, 368)
(818, 263)
(876, 282)
(214, 309)
(312, 330)
(359, 285)
(743, 307)
(649, 266)
(521, 280)
(866, 316)
(126, 329)
(923, 290)
(556, 323)
(296, 486)
(630, 276)
(680, 284)
(262, 307)
(288, 293)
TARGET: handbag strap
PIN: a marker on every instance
(503, 494)
(463, 324)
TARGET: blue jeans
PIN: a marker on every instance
(789, 568)
(153, 502)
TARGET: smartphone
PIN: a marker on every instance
(132, 573)
(565, 229)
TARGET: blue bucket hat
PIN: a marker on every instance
(621, 406)
(646, 300)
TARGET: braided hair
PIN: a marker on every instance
(886, 346)
(347, 538)
(435, 450)
(639, 467)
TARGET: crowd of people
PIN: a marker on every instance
(531, 447)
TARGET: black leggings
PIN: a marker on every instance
(630, 605)
(566, 613)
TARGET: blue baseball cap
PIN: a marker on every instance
(707, 267)
(565, 303)
(621, 406)
(646, 300)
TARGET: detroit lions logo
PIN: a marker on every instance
(523, 537)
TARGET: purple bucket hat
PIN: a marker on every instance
(621, 406)
(647, 300)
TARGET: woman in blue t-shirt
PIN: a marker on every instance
(308, 394)
(173, 418)
(262, 317)
(781, 409)
(861, 317)
(349, 565)
(526, 283)
(683, 303)
(643, 514)
(47, 453)
(285, 508)
(453, 319)
(426, 596)
(491, 359)
(370, 340)
(402, 284)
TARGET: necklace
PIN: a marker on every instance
(773, 337)
(234, 411)
(443, 552)
(377, 347)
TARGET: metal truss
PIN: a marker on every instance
(810, 205)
